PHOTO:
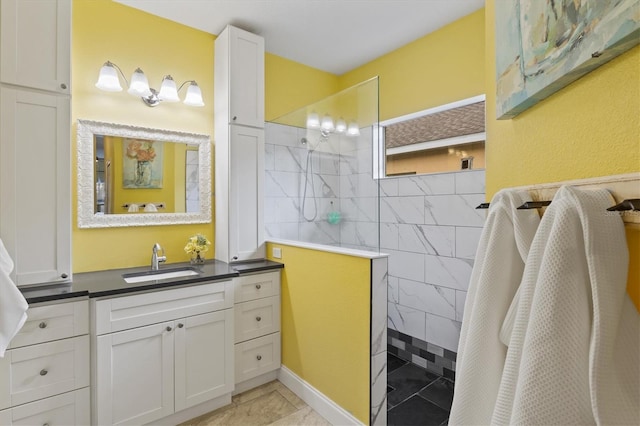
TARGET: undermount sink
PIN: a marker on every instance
(138, 277)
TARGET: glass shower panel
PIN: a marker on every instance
(320, 163)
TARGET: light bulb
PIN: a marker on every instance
(313, 121)
(139, 84)
(353, 129)
(341, 126)
(194, 95)
(168, 90)
(108, 78)
(327, 123)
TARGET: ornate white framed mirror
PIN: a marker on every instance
(137, 176)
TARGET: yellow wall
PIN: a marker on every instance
(590, 128)
(104, 30)
(444, 66)
(290, 85)
(325, 324)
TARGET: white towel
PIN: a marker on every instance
(13, 306)
(499, 264)
(133, 208)
(150, 207)
(573, 350)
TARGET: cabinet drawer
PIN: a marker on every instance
(53, 322)
(39, 371)
(257, 318)
(71, 408)
(257, 356)
(123, 313)
(257, 286)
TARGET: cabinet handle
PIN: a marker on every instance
(43, 372)
(63, 276)
(45, 424)
(234, 118)
(234, 258)
(180, 325)
(63, 86)
(169, 328)
(258, 286)
(258, 319)
(42, 325)
(259, 357)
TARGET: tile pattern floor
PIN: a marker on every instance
(416, 396)
(269, 404)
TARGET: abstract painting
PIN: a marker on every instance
(142, 164)
(544, 45)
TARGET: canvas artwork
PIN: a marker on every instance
(142, 164)
(543, 45)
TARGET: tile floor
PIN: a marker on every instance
(416, 396)
(269, 404)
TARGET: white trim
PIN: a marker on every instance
(324, 406)
(330, 249)
(440, 143)
(433, 110)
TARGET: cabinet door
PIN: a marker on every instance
(204, 358)
(246, 178)
(35, 184)
(246, 78)
(134, 375)
(35, 36)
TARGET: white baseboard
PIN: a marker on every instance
(324, 406)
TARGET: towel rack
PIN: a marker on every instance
(626, 205)
(534, 205)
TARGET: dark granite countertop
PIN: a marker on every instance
(111, 283)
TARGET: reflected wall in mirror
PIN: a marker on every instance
(136, 176)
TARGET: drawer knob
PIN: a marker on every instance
(234, 118)
(43, 372)
(42, 325)
(259, 357)
(63, 276)
(46, 424)
(258, 319)
(169, 328)
(258, 286)
(63, 86)
(180, 325)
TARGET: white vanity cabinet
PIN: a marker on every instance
(239, 145)
(158, 353)
(35, 138)
(257, 329)
(44, 376)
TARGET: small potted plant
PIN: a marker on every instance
(196, 246)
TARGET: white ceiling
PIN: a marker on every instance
(331, 35)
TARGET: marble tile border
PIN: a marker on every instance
(424, 354)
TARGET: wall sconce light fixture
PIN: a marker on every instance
(327, 126)
(108, 81)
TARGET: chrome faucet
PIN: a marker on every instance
(155, 259)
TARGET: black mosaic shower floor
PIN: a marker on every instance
(416, 396)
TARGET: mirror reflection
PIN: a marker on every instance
(137, 176)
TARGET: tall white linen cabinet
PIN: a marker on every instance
(239, 145)
(35, 138)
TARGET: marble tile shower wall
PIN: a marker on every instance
(430, 228)
(428, 224)
(340, 165)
